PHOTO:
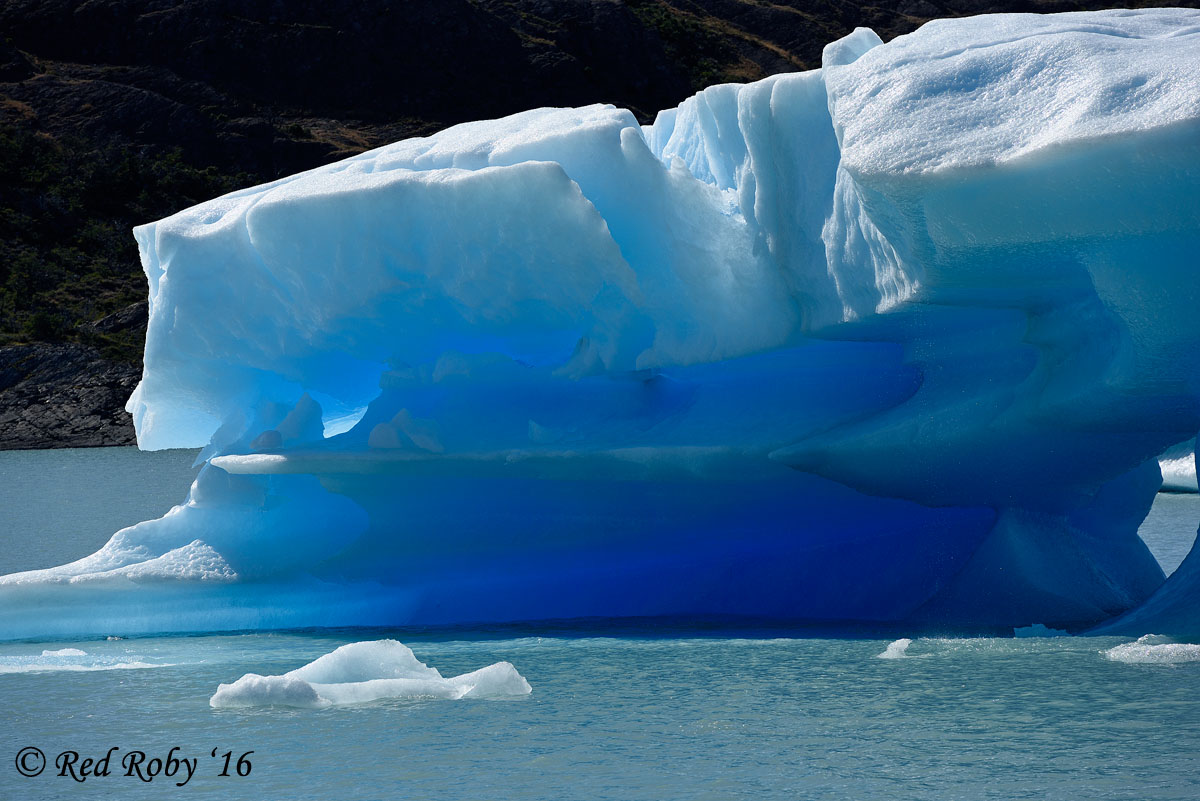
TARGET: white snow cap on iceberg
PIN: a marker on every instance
(959, 93)
(362, 672)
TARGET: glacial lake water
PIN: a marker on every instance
(614, 713)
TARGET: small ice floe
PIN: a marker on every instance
(1039, 630)
(896, 650)
(1154, 649)
(1179, 475)
(70, 659)
(362, 672)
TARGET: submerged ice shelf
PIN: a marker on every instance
(897, 340)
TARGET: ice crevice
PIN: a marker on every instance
(900, 339)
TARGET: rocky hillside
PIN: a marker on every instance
(116, 112)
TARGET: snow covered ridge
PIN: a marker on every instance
(896, 339)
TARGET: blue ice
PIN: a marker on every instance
(896, 340)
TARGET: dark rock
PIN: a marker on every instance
(14, 65)
(63, 396)
(131, 318)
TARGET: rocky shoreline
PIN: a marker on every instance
(64, 396)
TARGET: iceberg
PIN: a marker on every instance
(367, 672)
(895, 340)
(363, 672)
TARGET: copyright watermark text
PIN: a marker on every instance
(135, 764)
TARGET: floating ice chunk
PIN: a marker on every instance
(1152, 649)
(73, 660)
(1178, 467)
(1179, 475)
(255, 690)
(494, 681)
(364, 661)
(1038, 630)
(896, 650)
(362, 672)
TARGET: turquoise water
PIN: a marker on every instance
(1170, 528)
(57, 506)
(636, 718)
(626, 715)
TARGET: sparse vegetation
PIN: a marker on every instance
(690, 42)
(66, 253)
(118, 112)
